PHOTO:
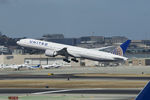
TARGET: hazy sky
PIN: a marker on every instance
(75, 18)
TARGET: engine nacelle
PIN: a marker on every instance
(50, 53)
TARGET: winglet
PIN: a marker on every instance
(122, 48)
(145, 93)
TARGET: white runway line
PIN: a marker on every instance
(51, 92)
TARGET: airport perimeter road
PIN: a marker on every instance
(77, 70)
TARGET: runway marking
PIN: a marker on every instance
(59, 91)
(51, 92)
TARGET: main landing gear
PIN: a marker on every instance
(66, 60)
(75, 60)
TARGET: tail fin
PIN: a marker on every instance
(122, 48)
(145, 93)
(38, 65)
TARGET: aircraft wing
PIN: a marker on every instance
(63, 52)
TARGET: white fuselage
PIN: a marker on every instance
(77, 52)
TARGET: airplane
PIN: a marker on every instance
(17, 67)
(2, 66)
(47, 66)
(54, 65)
(34, 67)
(144, 94)
(13, 66)
(53, 49)
(50, 66)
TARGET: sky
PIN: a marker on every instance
(75, 18)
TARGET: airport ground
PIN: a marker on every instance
(67, 83)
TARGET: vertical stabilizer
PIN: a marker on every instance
(145, 93)
(122, 48)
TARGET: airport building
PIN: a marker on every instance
(4, 49)
(28, 59)
(18, 59)
(32, 60)
(138, 62)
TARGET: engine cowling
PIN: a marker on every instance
(50, 53)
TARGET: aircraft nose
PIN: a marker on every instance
(18, 42)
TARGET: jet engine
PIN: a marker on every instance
(50, 53)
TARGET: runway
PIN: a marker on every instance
(71, 76)
(70, 91)
(74, 94)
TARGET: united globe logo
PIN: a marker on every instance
(118, 51)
